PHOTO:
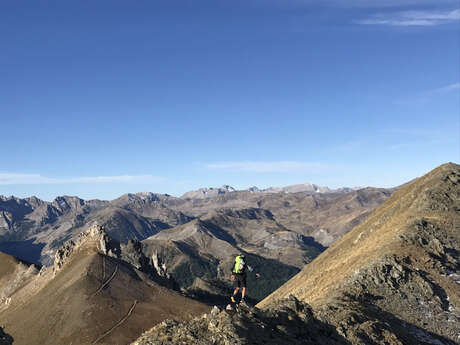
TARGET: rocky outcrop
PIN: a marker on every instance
(96, 236)
(287, 322)
(96, 239)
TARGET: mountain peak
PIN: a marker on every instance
(401, 263)
(94, 239)
(204, 193)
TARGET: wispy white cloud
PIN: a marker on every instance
(423, 97)
(400, 146)
(351, 3)
(349, 146)
(421, 133)
(269, 167)
(447, 88)
(7, 178)
(413, 18)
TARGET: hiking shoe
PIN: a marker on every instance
(233, 299)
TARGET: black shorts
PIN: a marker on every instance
(240, 280)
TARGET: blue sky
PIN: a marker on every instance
(101, 98)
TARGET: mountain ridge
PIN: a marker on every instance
(47, 225)
(409, 246)
(97, 291)
(392, 280)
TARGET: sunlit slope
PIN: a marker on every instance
(92, 299)
(403, 259)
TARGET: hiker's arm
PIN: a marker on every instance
(250, 269)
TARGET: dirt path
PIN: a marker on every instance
(117, 324)
(107, 281)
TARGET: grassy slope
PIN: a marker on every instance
(67, 310)
(377, 236)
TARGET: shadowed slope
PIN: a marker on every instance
(14, 275)
(201, 249)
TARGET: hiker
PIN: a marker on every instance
(239, 276)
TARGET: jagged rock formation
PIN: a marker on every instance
(287, 322)
(92, 295)
(394, 278)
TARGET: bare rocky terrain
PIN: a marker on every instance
(393, 280)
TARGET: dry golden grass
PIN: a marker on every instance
(72, 308)
(377, 236)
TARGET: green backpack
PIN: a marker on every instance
(239, 265)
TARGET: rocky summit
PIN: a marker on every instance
(288, 321)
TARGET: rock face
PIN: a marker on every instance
(287, 322)
(394, 278)
(131, 253)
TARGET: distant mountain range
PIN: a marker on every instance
(156, 261)
(393, 280)
(196, 236)
(203, 193)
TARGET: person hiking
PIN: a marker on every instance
(239, 276)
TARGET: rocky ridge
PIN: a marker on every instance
(287, 322)
(42, 227)
(97, 291)
(131, 253)
(394, 278)
(190, 238)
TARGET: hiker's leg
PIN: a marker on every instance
(236, 291)
(243, 286)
